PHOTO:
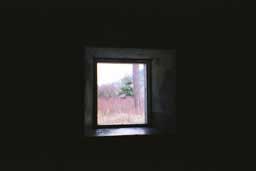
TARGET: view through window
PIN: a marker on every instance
(121, 93)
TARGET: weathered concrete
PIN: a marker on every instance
(163, 81)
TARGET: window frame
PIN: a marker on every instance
(148, 63)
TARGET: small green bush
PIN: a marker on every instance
(126, 86)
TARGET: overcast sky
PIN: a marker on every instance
(112, 72)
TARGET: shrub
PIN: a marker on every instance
(126, 86)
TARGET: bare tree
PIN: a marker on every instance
(136, 87)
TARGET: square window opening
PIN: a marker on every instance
(122, 93)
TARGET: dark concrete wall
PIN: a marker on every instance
(44, 119)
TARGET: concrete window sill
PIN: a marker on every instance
(106, 132)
